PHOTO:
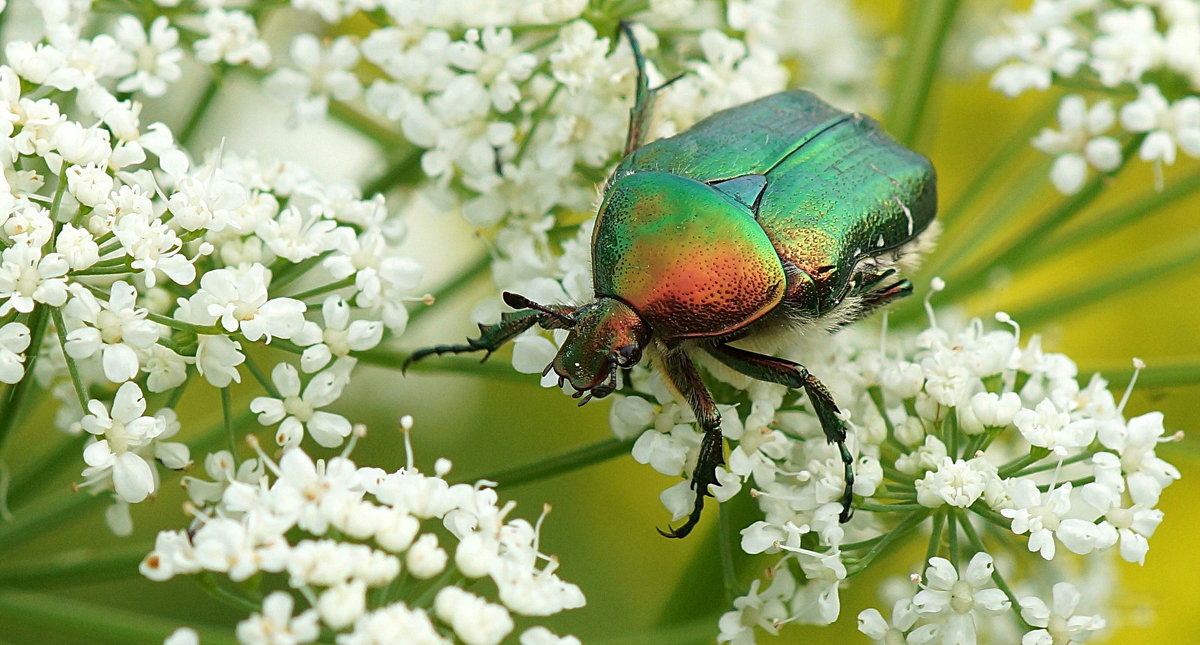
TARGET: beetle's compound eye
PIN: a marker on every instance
(628, 355)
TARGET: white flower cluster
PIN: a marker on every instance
(1139, 58)
(127, 267)
(516, 110)
(353, 547)
(958, 428)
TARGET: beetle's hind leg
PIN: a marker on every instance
(682, 373)
(796, 376)
(639, 115)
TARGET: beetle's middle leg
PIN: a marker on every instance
(682, 373)
(796, 376)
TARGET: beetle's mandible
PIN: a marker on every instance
(777, 215)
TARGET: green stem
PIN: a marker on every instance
(74, 568)
(262, 378)
(1012, 468)
(17, 393)
(977, 543)
(728, 572)
(227, 417)
(1104, 224)
(33, 522)
(967, 280)
(583, 457)
(288, 272)
(33, 476)
(907, 525)
(367, 126)
(927, 29)
(952, 537)
(998, 166)
(400, 173)
(935, 535)
(1180, 374)
(203, 103)
(72, 367)
(468, 274)
(889, 508)
(208, 582)
(1073, 298)
(348, 281)
(88, 622)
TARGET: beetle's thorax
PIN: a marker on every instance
(607, 334)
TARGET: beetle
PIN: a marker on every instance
(779, 215)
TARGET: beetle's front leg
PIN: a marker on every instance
(682, 373)
(796, 376)
(492, 337)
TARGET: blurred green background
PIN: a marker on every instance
(640, 587)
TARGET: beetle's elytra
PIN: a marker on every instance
(780, 214)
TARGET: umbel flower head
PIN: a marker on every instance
(346, 538)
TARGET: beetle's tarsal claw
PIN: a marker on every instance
(585, 399)
(549, 367)
(684, 529)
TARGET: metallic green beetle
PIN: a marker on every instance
(778, 215)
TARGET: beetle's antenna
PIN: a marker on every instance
(517, 301)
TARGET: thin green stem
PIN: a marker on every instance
(977, 543)
(449, 577)
(68, 569)
(1012, 468)
(966, 280)
(952, 537)
(72, 366)
(17, 393)
(32, 524)
(289, 272)
(401, 172)
(1074, 298)
(203, 103)
(1179, 374)
(227, 417)
(927, 29)
(262, 378)
(33, 476)
(889, 508)
(209, 583)
(475, 270)
(367, 126)
(725, 540)
(348, 281)
(907, 525)
(577, 459)
(88, 622)
(179, 325)
(1104, 224)
(935, 535)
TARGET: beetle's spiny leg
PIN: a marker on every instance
(682, 374)
(491, 337)
(796, 376)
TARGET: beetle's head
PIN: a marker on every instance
(607, 335)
